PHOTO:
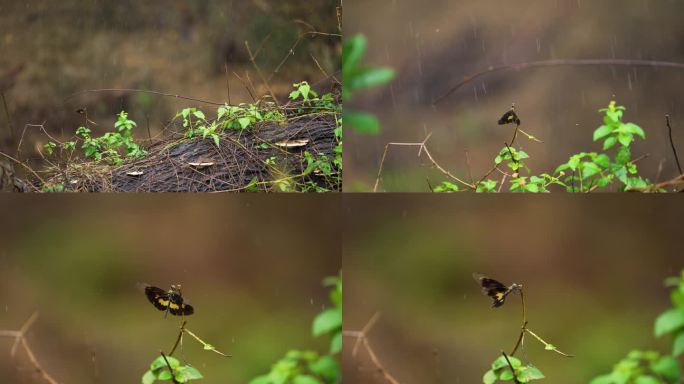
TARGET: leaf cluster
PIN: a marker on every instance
(358, 77)
(310, 367)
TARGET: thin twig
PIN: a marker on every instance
(676, 181)
(206, 345)
(515, 378)
(524, 322)
(422, 148)
(178, 339)
(173, 376)
(549, 63)
(20, 340)
(143, 91)
(674, 150)
(261, 75)
(23, 165)
(547, 345)
(362, 340)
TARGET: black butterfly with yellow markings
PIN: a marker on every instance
(495, 289)
(170, 301)
(510, 117)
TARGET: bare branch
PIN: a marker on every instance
(674, 150)
(422, 148)
(20, 340)
(362, 340)
(550, 63)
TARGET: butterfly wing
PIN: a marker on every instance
(158, 297)
(509, 118)
(181, 310)
(492, 288)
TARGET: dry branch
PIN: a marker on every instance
(553, 63)
(362, 340)
(422, 148)
(20, 340)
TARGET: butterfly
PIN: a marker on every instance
(495, 289)
(510, 117)
(170, 301)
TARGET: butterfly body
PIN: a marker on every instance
(170, 301)
(495, 289)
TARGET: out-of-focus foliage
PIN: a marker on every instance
(358, 77)
(651, 367)
(310, 367)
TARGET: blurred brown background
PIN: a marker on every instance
(592, 271)
(434, 44)
(252, 268)
(175, 46)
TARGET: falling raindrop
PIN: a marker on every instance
(629, 81)
(538, 45)
(484, 89)
(477, 100)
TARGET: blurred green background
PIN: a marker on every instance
(176, 46)
(592, 271)
(251, 267)
(434, 46)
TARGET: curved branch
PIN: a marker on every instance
(561, 62)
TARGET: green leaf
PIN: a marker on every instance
(305, 379)
(159, 362)
(489, 377)
(623, 156)
(487, 186)
(634, 129)
(668, 367)
(644, 379)
(446, 186)
(602, 161)
(602, 132)
(363, 123)
(352, 52)
(149, 378)
(609, 143)
(603, 379)
(305, 88)
(625, 139)
(522, 155)
(244, 122)
(501, 362)
(669, 321)
(336, 343)
(199, 115)
(506, 375)
(589, 169)
(534, 188)
(678, 347)
(326, 367)
(187, 373)
(529, 373)
(369, 77)
(327, 321)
